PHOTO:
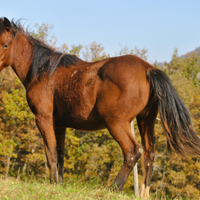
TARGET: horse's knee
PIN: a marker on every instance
(152, 156)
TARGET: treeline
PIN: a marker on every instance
(95, 155)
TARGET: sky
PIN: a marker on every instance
(156, 25)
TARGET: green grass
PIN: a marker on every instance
(32, 190)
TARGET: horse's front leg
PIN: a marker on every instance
(46, 127)
(60, 138)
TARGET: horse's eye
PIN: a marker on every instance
(5, 46)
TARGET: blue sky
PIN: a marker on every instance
(157, 25)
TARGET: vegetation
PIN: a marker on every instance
(93, 156)
(34, 190)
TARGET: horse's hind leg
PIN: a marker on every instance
(146, 120)
(131, 150)
(60, 139)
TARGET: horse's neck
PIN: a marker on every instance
(22, 57)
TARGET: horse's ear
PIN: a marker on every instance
(7, 23)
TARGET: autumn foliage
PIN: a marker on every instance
(95, 155)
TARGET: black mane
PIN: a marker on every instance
(45, 59)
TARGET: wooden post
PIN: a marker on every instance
(135, 169)
(198, 76)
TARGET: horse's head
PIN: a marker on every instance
(7, 35)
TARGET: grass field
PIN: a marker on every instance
(32, 190)
(13, 189)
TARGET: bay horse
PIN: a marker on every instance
(65, 91)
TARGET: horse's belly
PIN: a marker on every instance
(79, 118)
(80, 124)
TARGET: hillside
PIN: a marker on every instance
(197, 51)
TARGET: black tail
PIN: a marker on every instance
(175, 117)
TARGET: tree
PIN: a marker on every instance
(75, 50)
(142, 53)
(43, 33)
(94, 52)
